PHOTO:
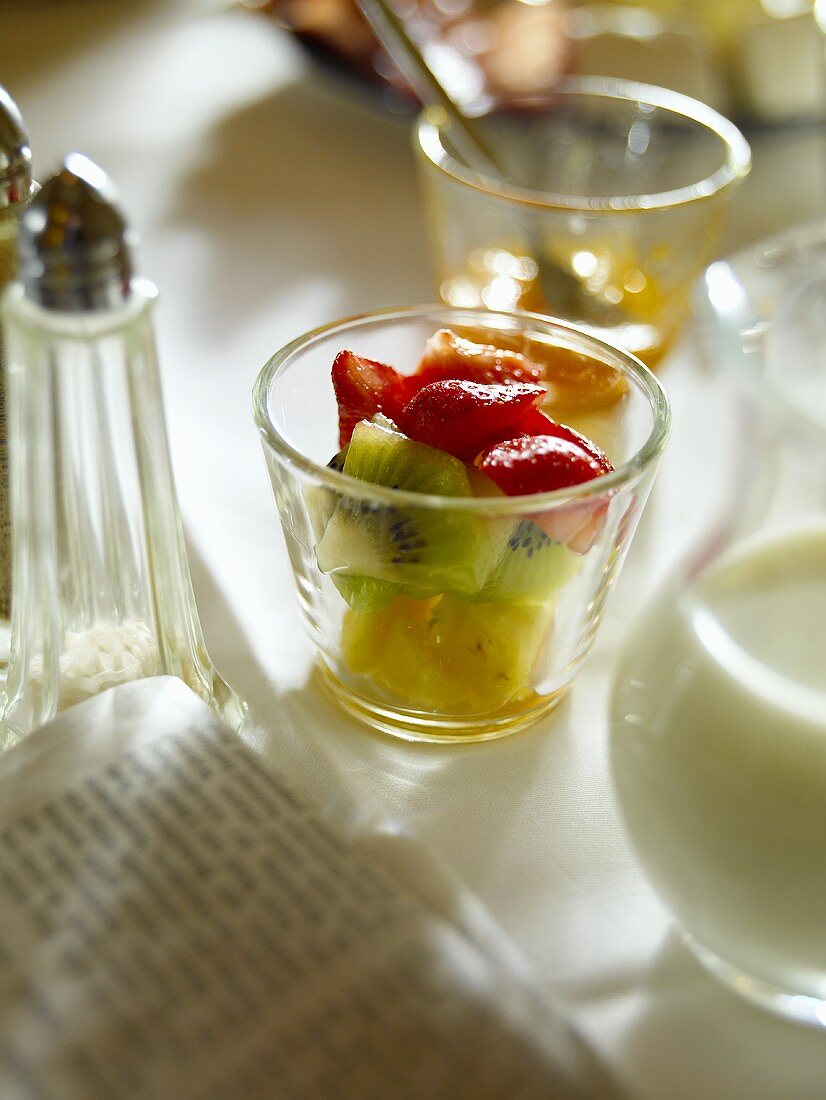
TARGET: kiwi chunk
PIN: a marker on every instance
(425, 551)
(531, 568)
(365, 593)
(321, 502)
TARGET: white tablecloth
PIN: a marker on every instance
(268, 201)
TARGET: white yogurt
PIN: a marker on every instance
(719, 757)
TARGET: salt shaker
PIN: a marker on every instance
(102, 592)
(16, 188)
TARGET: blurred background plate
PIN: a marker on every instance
(504, 46)
(754, 60)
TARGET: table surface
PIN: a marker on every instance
(270, 198)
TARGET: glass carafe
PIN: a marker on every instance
(718, 741)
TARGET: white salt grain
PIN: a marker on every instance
(104, 656)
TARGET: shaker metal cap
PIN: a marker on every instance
(75, 248)
(15, 154)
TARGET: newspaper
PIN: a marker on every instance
(176, 922)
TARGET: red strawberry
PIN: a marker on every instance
(364, 387)
(541, 463)
(447, 355)
(538, 464)
(535, 422)
(464, 417)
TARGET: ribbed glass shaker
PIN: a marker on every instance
(102, 592)
(16, 188)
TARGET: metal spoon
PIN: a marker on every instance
(562, 290)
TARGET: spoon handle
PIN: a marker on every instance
(561, 288)
(392, 33)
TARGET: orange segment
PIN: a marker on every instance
(577, 382)
(574, 380)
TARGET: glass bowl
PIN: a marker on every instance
(455, 617)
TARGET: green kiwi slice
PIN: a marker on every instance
(531, 568)
(425, 551)
(365, 593)
(321, 502)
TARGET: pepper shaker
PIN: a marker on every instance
(102, 592)
(16, 188)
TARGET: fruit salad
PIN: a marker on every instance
(448, 609)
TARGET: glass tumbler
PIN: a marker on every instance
(461, 616)
(612, 202)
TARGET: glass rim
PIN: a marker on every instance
(429, 146)
(345, 485)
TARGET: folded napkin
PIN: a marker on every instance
(176, 921)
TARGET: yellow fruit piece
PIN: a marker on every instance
(446, 655)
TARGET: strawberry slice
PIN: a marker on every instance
(463, 417)
(364, 387)
(447, 355)
(538, 464)
(542, 463)
(535, 422)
